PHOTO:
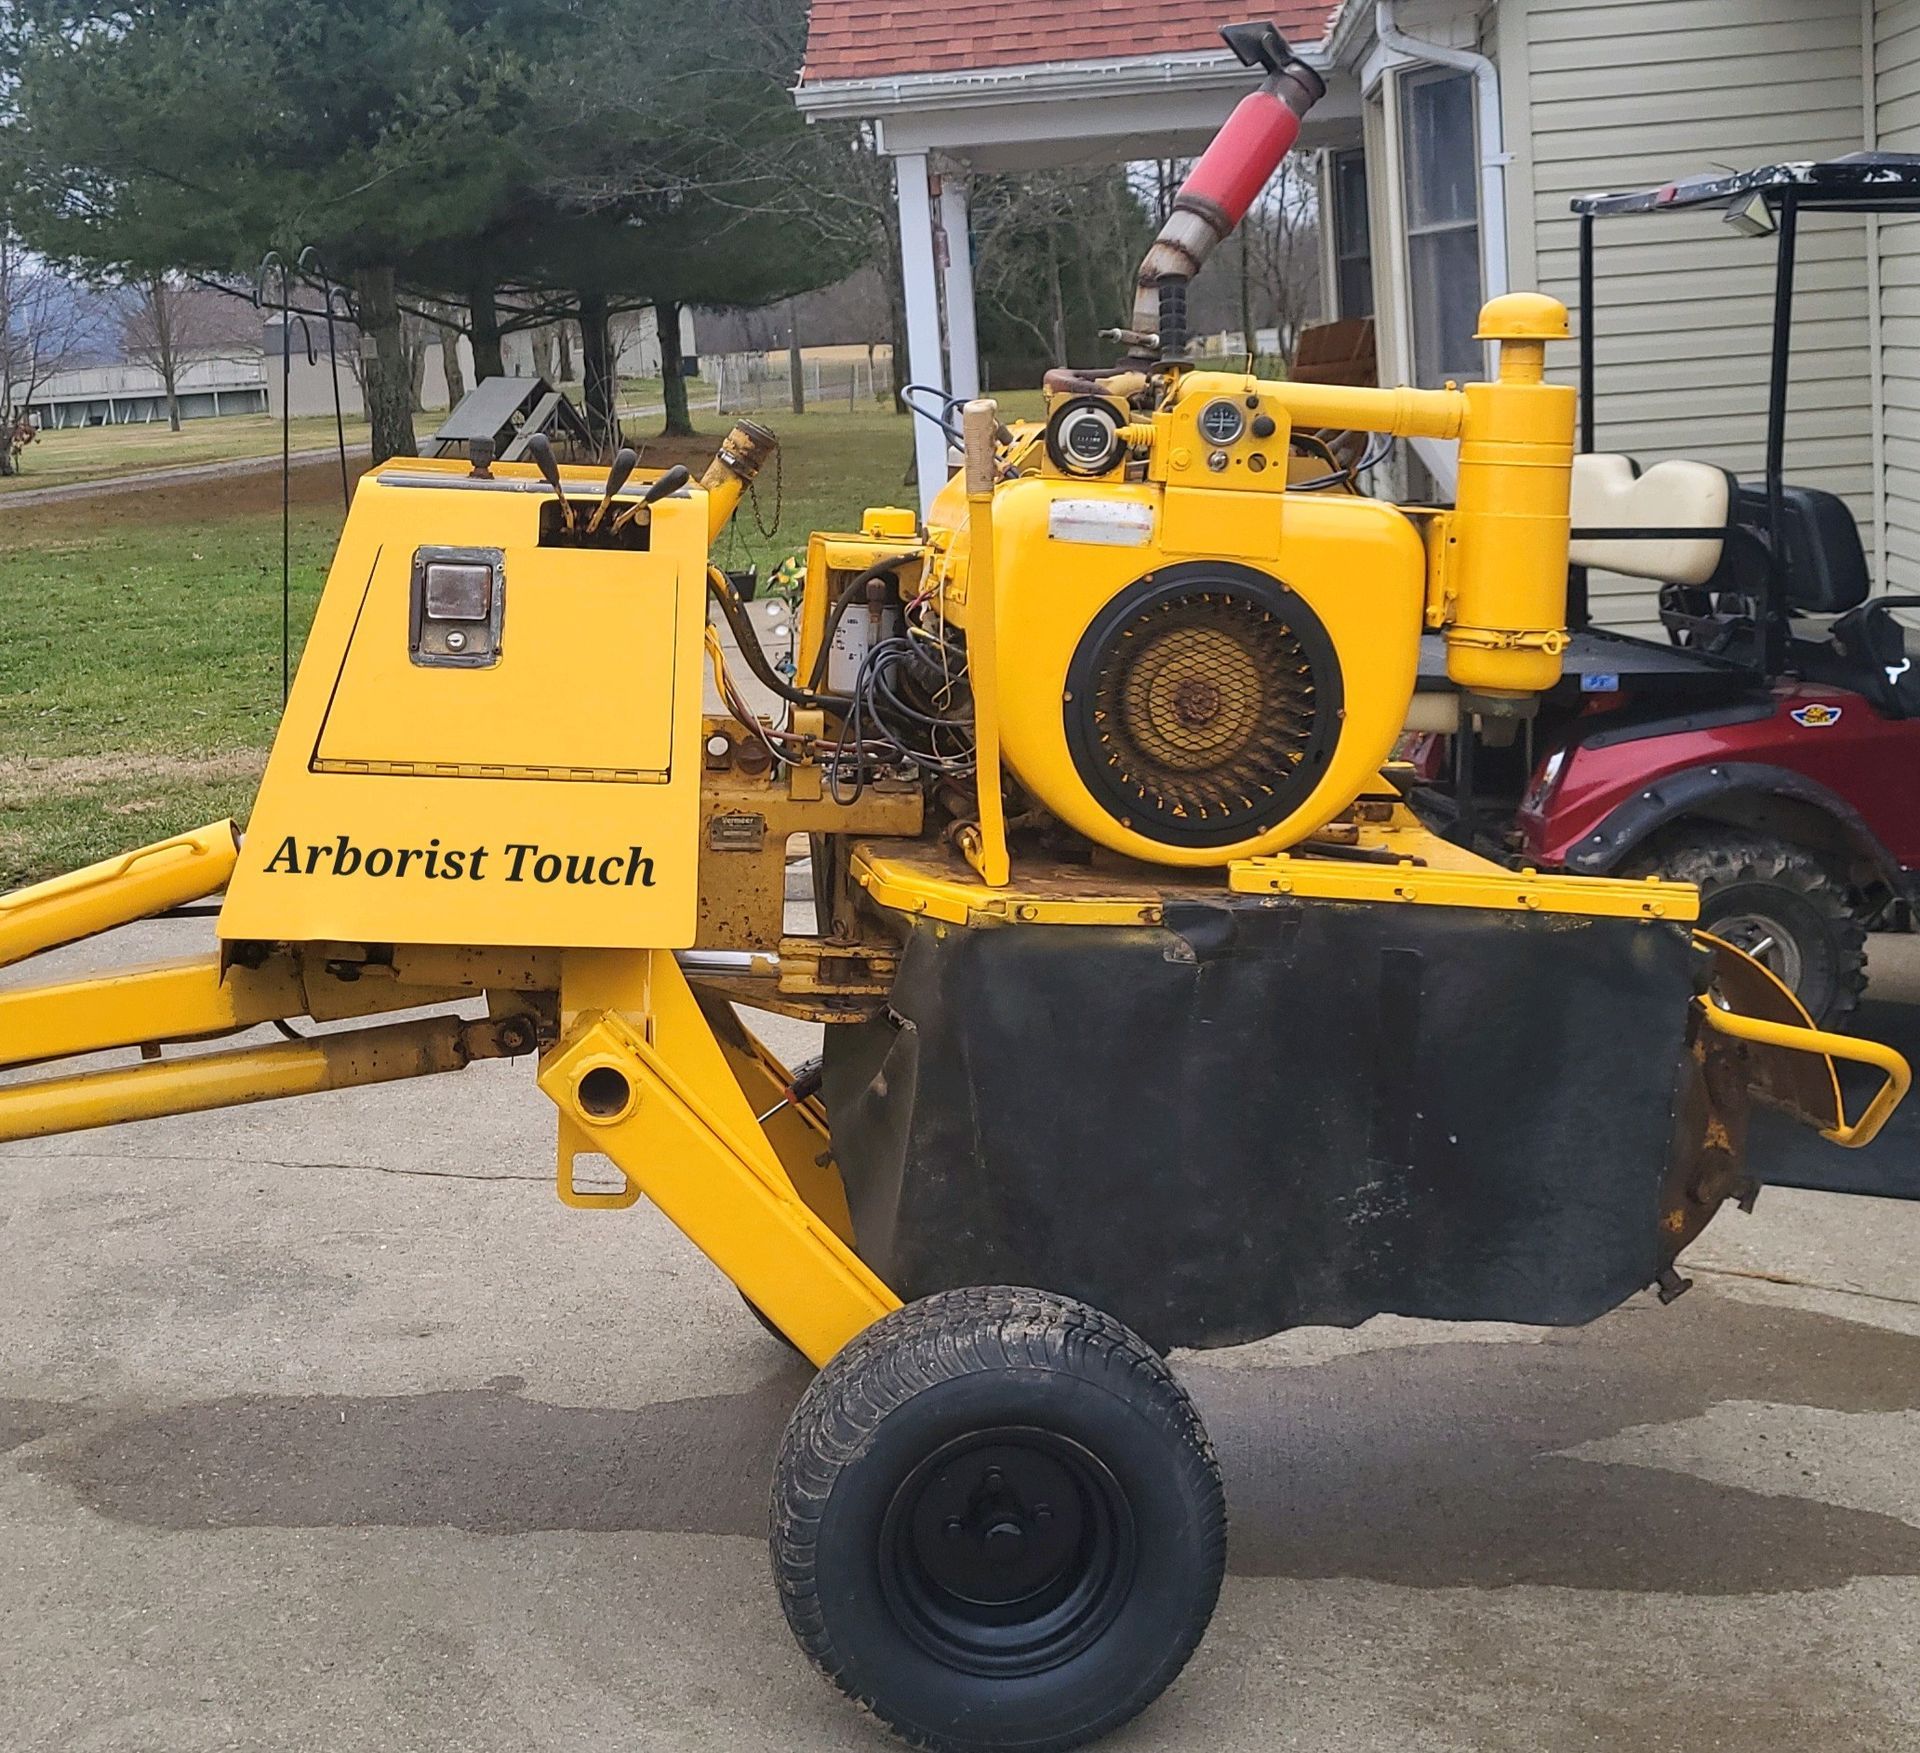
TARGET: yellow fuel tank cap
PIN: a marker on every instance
(889, 523)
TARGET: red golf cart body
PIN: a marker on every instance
(1802, 758)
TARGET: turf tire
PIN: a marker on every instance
(1746, 877)
(888, 1432)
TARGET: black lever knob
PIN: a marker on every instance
(540, 448)
(623, 464)
(670, 483)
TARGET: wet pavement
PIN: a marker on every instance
(324, 1426)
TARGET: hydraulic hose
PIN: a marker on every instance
(748, 639)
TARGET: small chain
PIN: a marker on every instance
(770, 530)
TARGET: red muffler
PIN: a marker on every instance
(1222, 186)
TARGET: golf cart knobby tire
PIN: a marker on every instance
(884, 1441)
(1739, 874)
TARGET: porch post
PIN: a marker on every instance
(922, 284)
(963, 341)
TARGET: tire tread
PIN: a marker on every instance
(972, 1331)
(1713, 860)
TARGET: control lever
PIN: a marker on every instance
(616, 479)
(540, 448)
(669, 484)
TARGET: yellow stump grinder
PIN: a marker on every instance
(1153, 1016)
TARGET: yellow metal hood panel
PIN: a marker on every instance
(584, 683)
(551, 799)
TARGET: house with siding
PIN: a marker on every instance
(1453, 139)
(1546, 100)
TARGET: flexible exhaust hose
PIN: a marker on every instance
(1215, 198)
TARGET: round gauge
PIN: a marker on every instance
(1083, 437)
(1222, 422)
(1088, 438)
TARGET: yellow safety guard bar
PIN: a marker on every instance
(1795, 1039)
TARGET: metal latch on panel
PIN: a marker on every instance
(458, 607)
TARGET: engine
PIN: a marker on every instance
(1169, 606)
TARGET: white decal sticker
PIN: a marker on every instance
(1103, 523)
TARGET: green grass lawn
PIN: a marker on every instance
(650, 392)
(140, 632)
(95, 453)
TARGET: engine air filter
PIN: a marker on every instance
(1203, 704)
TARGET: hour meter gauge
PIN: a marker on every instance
(1083, 436)
(1089, 438)
(1222, 422)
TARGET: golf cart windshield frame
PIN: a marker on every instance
(1863, 183)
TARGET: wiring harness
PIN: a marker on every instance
(910, 709)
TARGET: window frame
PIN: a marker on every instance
(1431, 374)
(1345, 252)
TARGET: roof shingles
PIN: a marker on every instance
(877, 39)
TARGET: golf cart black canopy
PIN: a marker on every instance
(1886, 182)
(1764, 202)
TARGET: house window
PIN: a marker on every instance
(1352, 236)
(1440, 154)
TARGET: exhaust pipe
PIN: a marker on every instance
(1221, 187)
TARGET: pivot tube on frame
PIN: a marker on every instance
(1579, 613)
(1774, 637)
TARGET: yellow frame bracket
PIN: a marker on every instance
(1795, 1039)
(664, 1123)
(986, 846)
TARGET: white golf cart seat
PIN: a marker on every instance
(1611, 492)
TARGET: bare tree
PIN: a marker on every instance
(544, 353)
(1282, 241)
(1055, 254)
(46, 324)
(1267, 275)
(171, 324)
(419, 335)
(842, 182)
(450, 365)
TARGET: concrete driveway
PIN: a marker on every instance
(326, 1427)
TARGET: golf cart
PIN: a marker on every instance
(1767, 750)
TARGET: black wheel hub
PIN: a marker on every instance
(1007, 1552)
(1768, 941)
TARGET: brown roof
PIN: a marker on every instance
(873, 39)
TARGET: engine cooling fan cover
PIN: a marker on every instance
(1203, 704)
